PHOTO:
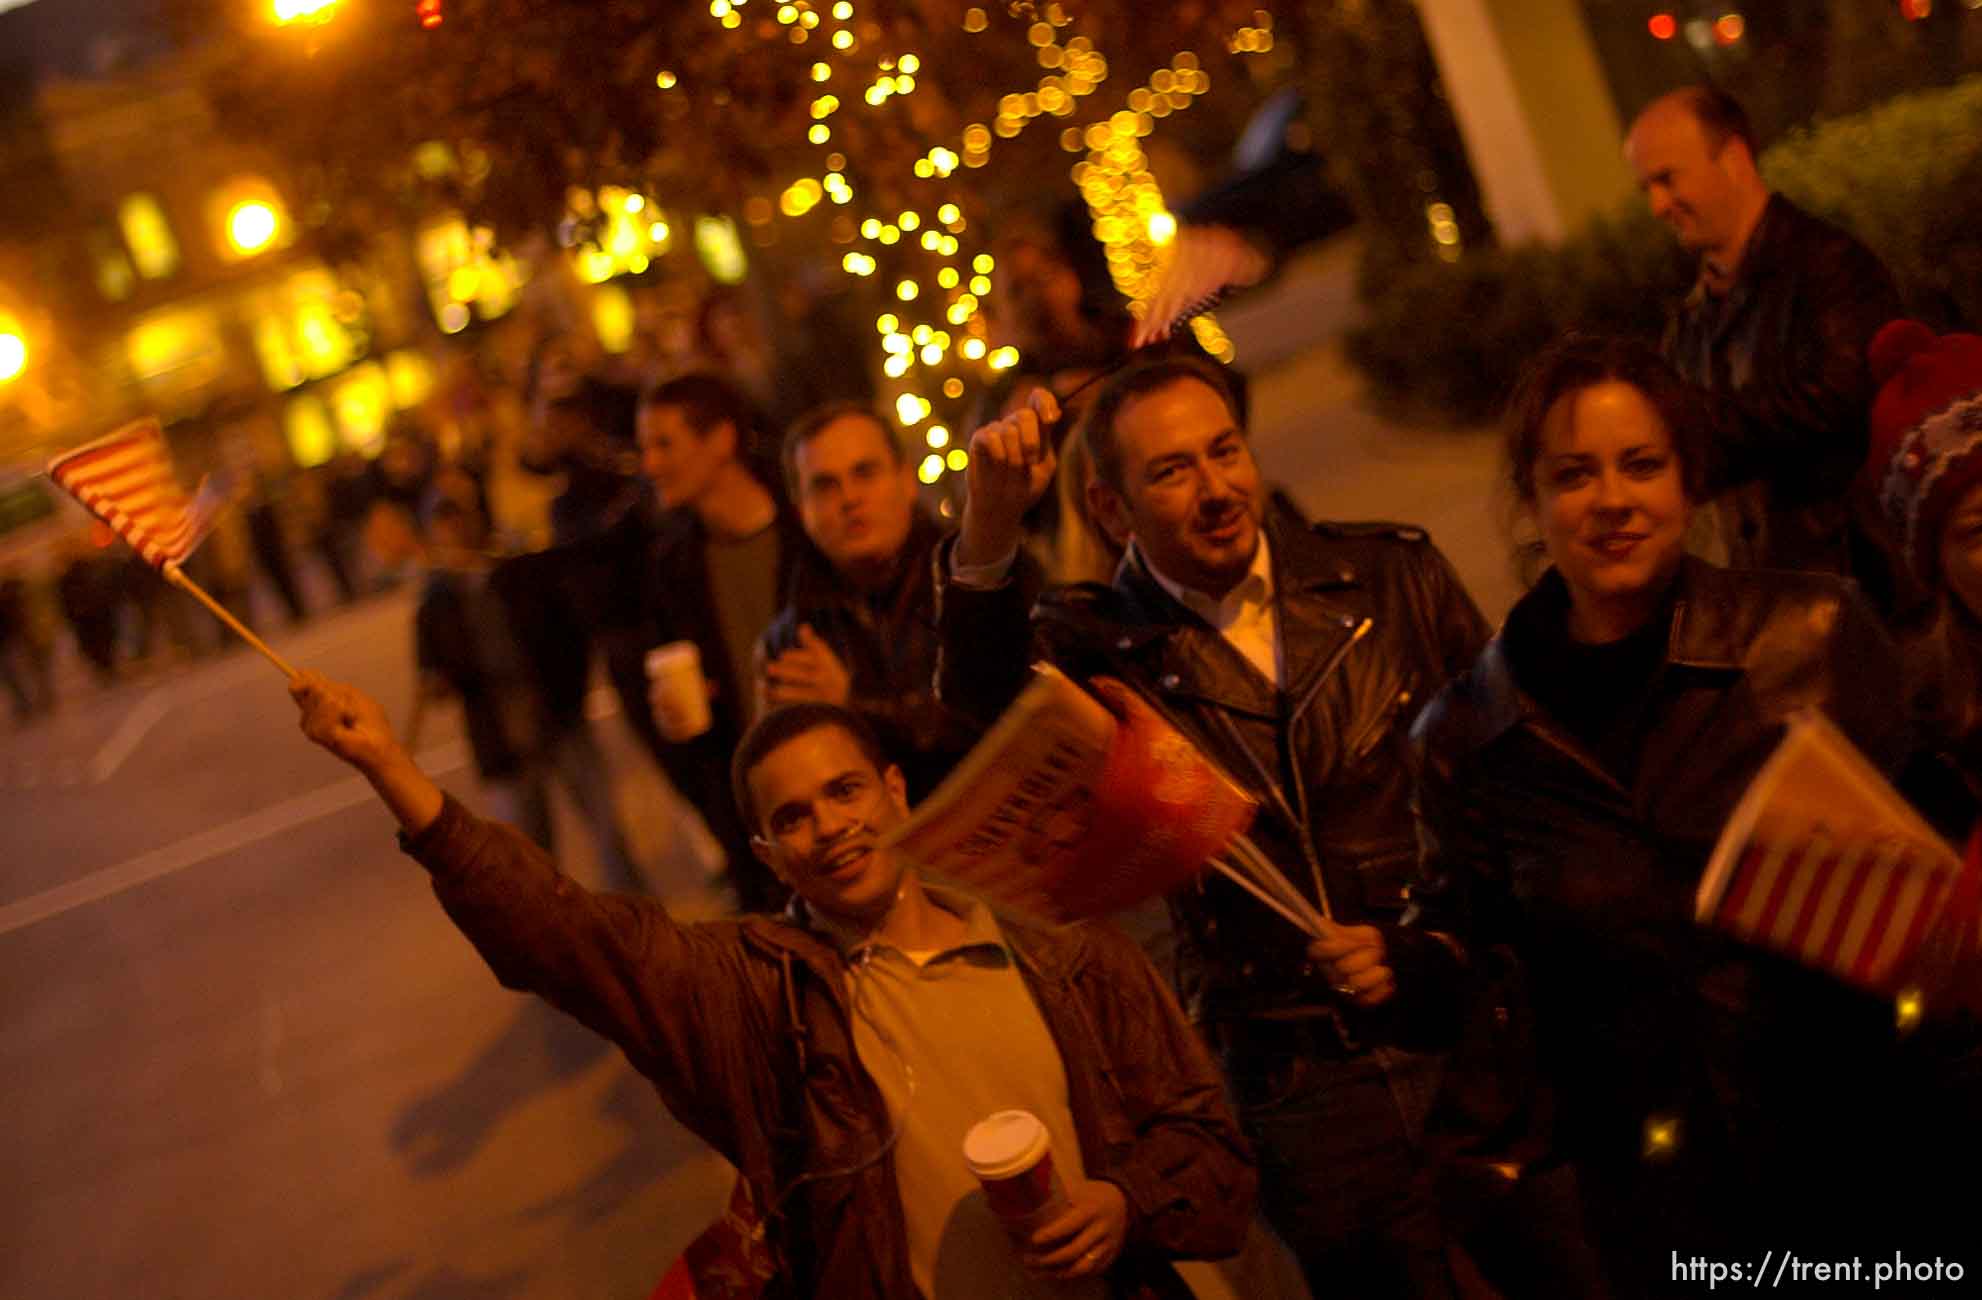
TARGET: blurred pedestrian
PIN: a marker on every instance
(587, 436)
(92, 598)
(348, 491)
(580, 599)
(1710, 1096)
(162, 618)
(268, 529)
(1052, 311)
(717, 576)
(667, 339)
(224, 567)
(310, 498)
(734, 344)
(466, 646)
(1773, 334)
(24, 658)
(1296, 658)
(859, 628)
(400, 477)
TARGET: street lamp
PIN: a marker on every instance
(13, 350)
(251, 226)
(311, 12)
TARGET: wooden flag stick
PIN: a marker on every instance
(187, 585)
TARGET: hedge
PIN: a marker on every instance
(1906, 177)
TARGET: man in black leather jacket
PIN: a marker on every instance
(1774, 333)
(1296, 659)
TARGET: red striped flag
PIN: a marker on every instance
(126, 480)
(1824, 862)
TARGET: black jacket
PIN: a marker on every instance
(501, 701)
(574, 598)
(1638, 1013)
(1372, 621)
(668, 583)
(1782, 360)
(888, 644)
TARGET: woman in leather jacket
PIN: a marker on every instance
(1710, 1097)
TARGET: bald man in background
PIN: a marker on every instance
(1774, 334)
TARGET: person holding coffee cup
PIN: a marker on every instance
(714, 576)
(841, 1055)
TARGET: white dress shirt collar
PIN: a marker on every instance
(1244, 616)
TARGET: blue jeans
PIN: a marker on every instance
(1341, 1179)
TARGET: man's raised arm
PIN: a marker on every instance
(619, 965)
(983, 616)
(351, 725)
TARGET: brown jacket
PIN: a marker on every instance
(744, 1029)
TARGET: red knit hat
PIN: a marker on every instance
(1926, 431)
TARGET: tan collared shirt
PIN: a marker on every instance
(1244, 617)
(950, 1037)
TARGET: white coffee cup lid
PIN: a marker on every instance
(671, 655)
(1004, 1142)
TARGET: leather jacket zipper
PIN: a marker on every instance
(1298, 818)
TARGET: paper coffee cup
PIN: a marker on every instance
(1012, 1155)
(677, 691)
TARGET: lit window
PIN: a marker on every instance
(312, 440)
(149, 234)
(612, 318)
(278, 358)
(716, 243)
(115, 279)
(362, 402)
(411, 377)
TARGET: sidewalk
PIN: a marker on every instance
(1317, 436)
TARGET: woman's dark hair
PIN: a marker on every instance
(1579, 361)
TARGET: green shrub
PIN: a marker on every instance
(1905, 177)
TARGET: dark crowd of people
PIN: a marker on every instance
(290, 545)
(1512, 1064)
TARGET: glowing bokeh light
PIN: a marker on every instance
(251, 226)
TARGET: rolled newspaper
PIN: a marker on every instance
(1065, 810)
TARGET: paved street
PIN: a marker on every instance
(243, 1054)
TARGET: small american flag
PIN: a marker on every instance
(125, 479)
(1825, 863)
(1859, 910)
